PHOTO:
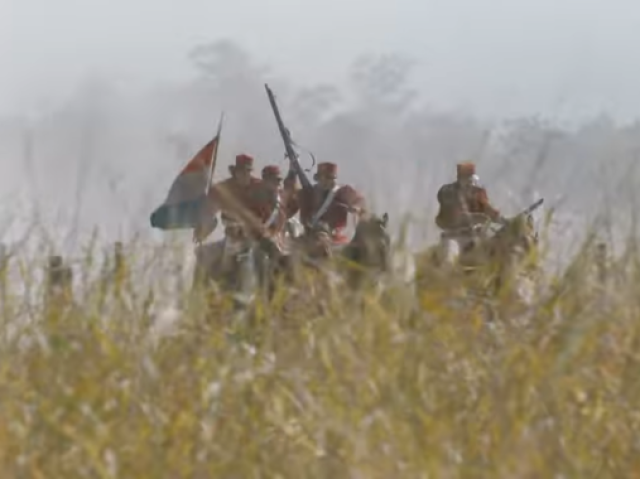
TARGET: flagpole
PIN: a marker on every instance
(214, 155)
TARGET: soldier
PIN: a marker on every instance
(330, 204)
(275, 203)
(234, 199)
(463, 204)
(276, 206)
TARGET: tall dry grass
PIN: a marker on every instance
(102, 383)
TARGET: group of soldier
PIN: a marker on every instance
(260, 207)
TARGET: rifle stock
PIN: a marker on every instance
(286, 138)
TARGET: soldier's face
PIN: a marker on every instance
(243, 176)
(273, 184)
(464, 181)
(326, 182)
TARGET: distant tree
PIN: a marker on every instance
(228, 79)
(383, 82)
(223, 61)
(81, 132)
(314, 105)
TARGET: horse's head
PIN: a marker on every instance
(373, 227)
(517, 237)
(372, 242)
(316, 240)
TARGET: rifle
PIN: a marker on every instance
(531, 208)
(470, 229)
(288, 144)
(528, 210)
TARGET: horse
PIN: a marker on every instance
(282, 264)
(231, 264)
(367, 252)
(242, 264)
(446, 260)
(488, 260)
(274, 257)
(506, 259)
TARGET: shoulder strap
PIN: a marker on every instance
(325, 205)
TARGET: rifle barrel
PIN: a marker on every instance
(286, 138)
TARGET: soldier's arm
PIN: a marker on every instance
(249, 207)
(291, 193)
(238, 203)
(354, 200)
(487, 208)
(292, 203)
(290, 183)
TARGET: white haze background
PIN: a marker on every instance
(102, 102)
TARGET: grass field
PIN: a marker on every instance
(328, 388)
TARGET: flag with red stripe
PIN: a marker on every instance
(185, 201)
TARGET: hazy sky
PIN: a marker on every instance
(565, 57)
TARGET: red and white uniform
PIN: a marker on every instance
(457, 202)
(273, 207)
(234, 201)
(331, 207)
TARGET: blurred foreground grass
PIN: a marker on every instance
(327, 387)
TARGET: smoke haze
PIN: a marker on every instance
(103, 102)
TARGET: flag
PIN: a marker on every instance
(185, 201)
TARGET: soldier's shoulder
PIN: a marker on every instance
(255, 184)
(227, 182)
(347, 190)
(347, 194)
(217, 187)
(447, 188)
